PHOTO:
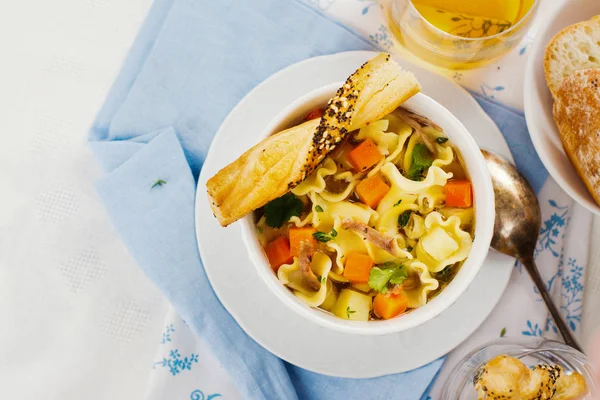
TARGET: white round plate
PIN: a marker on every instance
(538, 101)
(270, 322)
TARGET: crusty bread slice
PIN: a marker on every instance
(577, 115)
(281, 161)
(573, 48)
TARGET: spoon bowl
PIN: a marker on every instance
(517, 227)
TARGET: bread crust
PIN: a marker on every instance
(577, 116)
(283, 160)
(552, 51)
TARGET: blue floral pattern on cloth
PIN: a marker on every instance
(166, 336)
(175, 362)
(199, 395)
(369, 4)
(552, 229)
(382, 38)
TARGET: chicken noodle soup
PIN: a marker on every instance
(380, 227)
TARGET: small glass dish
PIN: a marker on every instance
(530, 350)
(428, 42)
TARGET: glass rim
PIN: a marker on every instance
(500, 34)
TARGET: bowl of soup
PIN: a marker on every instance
(389, 230)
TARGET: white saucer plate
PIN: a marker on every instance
(259, 312)
(538, 101)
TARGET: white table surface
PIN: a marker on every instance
(78, 319)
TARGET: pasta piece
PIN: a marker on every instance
(417, 296)
(435, 177)
(324, 220)
(407, 159)
(377, 131)
(346, 242)
(415, 228)
(445, 155)
(291, 276)
(432, 198)
(316, 182)
(435, 225)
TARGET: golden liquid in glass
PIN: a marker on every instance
(460, 33)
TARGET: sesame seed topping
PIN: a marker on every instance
(345, 104)
(348, 114)
(321, 146)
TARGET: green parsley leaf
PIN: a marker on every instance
(404, 217)
(379, 278)
(259, 229)
(444, 275)
(398, 203)
(399, 275)
(322, 237)
(159, 182)
(409, 249)
(348, 312)
(441, 140)
(319, 209)
(333, 232)
(503, 332)
(320, 278)
(389, 272)
(280, 210)
(421, 160)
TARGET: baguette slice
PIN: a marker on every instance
(281, 161)
(573, 48)
(577, 115)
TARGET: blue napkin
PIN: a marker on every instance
(192, 61)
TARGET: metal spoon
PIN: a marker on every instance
(517, 226)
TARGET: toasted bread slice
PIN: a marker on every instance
(281, 161)
(573, 48)
(577, 115)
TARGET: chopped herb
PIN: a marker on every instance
(398, 203)
(421, 160)
(441, 140)
(503, 332)
(445, 274)
(348, 312)
(282, 209)
(320, 278)
(404, 217)
(159, 182)
(319, 209)
(259, 229)
(322, 237)
(409, 249)
(389, 272)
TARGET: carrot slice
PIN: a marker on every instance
(357, 267)
(389, 305)
(371, 190)
(364, 156)
(458, 193)
(299, 235)
(314, 114)
(278, 252)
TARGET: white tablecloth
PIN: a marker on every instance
(78, 319)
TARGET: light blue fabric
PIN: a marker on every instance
(192, 61)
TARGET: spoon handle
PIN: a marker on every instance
(558, 321)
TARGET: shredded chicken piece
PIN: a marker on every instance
(379, 239)
(304, 259)
(417, 122)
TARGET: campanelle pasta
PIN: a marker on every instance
(380, 227)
